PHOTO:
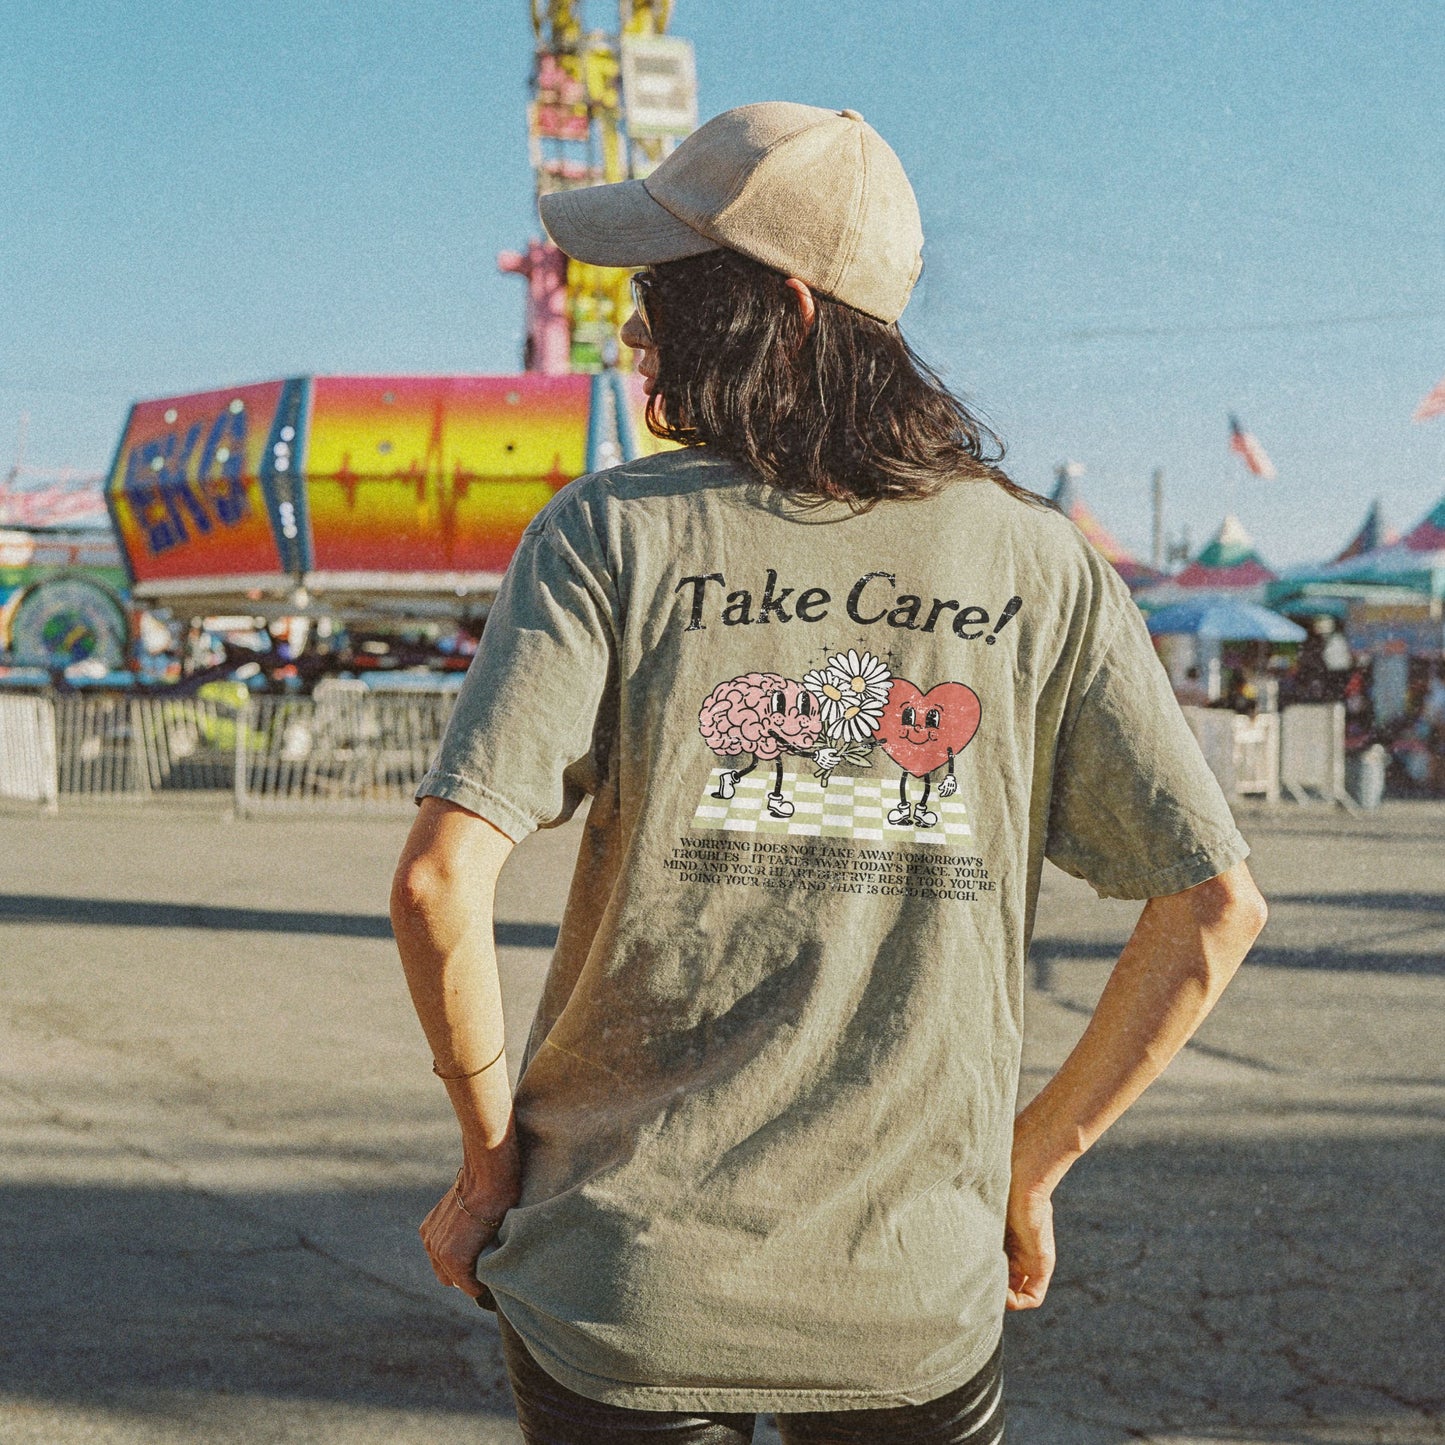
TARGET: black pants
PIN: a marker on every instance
(551, 1414)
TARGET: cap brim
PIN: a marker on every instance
(618, 225)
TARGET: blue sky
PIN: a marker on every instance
(1139, 217)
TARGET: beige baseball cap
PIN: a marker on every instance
(816, 194)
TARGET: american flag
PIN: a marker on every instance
(1434, 403)
(1254, 455)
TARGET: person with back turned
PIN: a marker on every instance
(835, 687)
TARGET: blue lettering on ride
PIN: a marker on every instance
(174, 499)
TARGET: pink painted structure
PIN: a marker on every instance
(549, 338)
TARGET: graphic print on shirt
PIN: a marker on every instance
(835, 717)
(760, 716)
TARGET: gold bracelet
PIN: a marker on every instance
(462, 1205)
(453, 1078)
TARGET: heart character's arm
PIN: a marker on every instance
(949, 786)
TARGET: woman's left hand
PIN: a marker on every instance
(463, 1222)
(1028, 1242)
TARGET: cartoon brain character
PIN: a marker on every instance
(760, 716)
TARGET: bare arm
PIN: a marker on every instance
(442, 902)
(1184, 950)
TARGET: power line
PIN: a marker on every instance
(1031, 331)
(1239, 328)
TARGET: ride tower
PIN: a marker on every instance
(603, 107)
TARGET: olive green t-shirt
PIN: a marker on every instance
(766, 1105)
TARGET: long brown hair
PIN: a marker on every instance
(844, 410)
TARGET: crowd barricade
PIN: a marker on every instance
(344, 749)
(27, 749)
(189, 743)
(1243, 752)
(131, 747)
(1256, 756)
(1312, 753)
(100, 751)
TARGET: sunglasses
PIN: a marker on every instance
(641, 283)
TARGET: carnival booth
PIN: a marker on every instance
(1229, 565)
(1390, 598)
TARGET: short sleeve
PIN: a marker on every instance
(1135, 810)
(519, 749)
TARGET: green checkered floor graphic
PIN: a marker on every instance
(849, 807)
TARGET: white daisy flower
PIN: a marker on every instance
(852, 691)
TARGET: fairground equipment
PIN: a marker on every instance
(386, 496)
(603, 108)
(404, 497)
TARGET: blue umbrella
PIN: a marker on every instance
(1224, 619)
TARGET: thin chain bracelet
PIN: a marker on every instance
(462, 1205)
(454, 1078)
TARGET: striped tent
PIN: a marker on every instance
(1067, 499)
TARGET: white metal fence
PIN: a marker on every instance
(347, 748)
(27, 749)
(342, 749)
(1242, 752)
(1300, 752)
(337, 750)
(135, 746)
(1312, 753)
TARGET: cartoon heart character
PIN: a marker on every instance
(922, 732)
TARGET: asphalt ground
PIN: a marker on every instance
(218, 1132)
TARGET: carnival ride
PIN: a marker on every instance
(61, 591)
(385, 496)
(61, 577)
(603, 108)
(404, 497)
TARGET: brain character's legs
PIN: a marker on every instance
(779, 806)
(727, 785)
(903, 813)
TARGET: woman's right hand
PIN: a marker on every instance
(455, 1238)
